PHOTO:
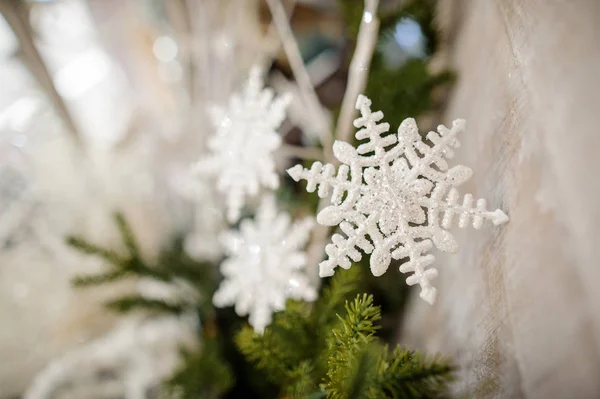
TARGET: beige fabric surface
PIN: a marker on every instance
(519, 306)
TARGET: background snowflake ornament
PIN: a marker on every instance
(242, 149)
(394, 196)
(202, 242)
(265, 265)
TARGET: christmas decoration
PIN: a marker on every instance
(325, 348)
(310, 353)
(128, 362)
(172, 285)
(265, 265)
(242, 149)
(300, 340)
(394, 197)
(202, 242)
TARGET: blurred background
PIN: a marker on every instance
(103, 108)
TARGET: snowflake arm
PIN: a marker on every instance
(241, 151)
(394, 197)
(265, 265)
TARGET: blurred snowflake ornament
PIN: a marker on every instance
(394, 196)
(242, 149)
(265, 265)
(201, 243)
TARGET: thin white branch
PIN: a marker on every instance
(290, 46)
(357, 80)
(272, 36)
(16, 15)
(359, 69)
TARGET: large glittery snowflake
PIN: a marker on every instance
(242, 149)
(265, 265)
(394, 196)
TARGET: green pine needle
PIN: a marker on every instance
(127, 235)
(302, 381)
(334, 297)
(137, 302)
(98, 279)
(360, 367)
(351, 355)
(202, 374)
(275, 356)
(410, 374)
(88, 248)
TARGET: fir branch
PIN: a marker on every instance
(360, 375)
(358, 325)
(203, 374)
(285, 344)
(88, 248)
(302, 381)
(135, 302)
(174, 261)
(293, 328)
(268, 352)
(127, 235)
(410, 374)
(97, 279)
(351, 355)
(359, 367)
(335, 295)
(123, 266)
(331, 302)
(140, 268)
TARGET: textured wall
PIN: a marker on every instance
(519, 306)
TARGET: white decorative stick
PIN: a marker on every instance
(292, 52)
(359, 69)
(357, 80)
(272, 36)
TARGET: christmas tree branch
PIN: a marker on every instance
(268, 352)
(405, 373)
(204, 373)
(127, 235)
(108, 277)
(359, 68)
(91, 249)
(335, 296)
(136, 302)
(351, 355)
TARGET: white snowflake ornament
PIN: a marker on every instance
(242, 149)
(265, 265)
(394, 196)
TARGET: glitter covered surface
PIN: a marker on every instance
(265, 265)
(394, 196)
(243, 146)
